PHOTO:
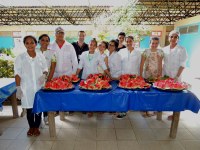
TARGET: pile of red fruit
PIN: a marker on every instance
(129, 81)
(95, 82)
(170, 84)
(61, 83)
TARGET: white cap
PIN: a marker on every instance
(59, 29)
(174, 32)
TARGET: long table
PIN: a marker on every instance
(8, 89)
(116, 99)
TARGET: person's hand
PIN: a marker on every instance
(42, 79)
(19, 92)
(176, 78)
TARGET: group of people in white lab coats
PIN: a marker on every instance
(35, 66)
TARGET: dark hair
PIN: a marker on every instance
(43, 35)
(131, 37)
(122, 33)
(81, 31)
(106, 44)
(94, 40)
(155, 39)
(116, 43)
(29, 36)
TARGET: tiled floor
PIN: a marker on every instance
(102, 132)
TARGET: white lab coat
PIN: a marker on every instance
(101, 58)
(130, 61)
(30, 70)
(49, 56)
(66, 60)
(173, 60)
(90, 67)
(115, 65)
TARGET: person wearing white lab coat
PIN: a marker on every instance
(50, 57)
(131, 58)
(30, 74)
(175, 57)
(66, 59)
(90, 60)
(114, 60)
(103, 54)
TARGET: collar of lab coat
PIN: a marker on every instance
(57, 47)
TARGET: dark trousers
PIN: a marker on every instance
(45, 114)
(34, 120)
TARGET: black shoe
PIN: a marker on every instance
(121, 116)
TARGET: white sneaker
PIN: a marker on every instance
(46, 122)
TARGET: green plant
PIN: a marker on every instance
(6, 69)
(7, 51)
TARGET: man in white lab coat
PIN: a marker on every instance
(65, 55)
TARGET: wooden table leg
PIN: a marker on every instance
(62, 115)
(52, 126)
(14, 105)
(174, 124)
(159, 115)
(1, 132)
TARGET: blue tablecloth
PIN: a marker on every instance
(7, 88)
(115, 100)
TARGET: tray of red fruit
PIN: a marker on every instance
(95, 83)
(62, 83)
(170, 85)
(133, 82)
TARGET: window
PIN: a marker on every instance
(189, 29)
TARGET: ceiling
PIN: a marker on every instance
(83, 12)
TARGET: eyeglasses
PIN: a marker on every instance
(175, 37)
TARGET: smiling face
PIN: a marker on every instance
(81, 36)
(102, 47)
(121, 38)
(173, 39)
(154, 44)
(44, 42)
(60, 36)
(129, 43)
(30, 44)
(92, 46)
(111, 47)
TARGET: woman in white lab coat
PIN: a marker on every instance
(175, 57)
(50, 57)
(30, 74)
(90, 60)
(103, 54)
(114, 60)
(131, 58)
(66, 59)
